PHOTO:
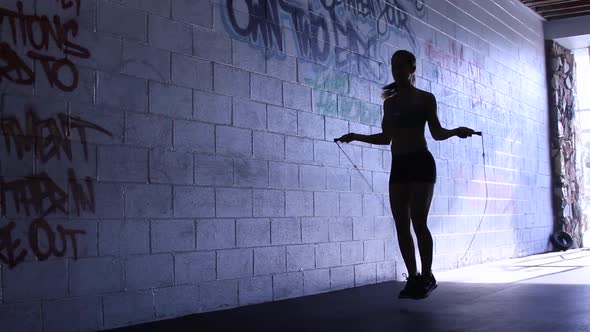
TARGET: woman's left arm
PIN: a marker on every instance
(436, 130)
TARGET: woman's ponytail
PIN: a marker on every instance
(389, 90)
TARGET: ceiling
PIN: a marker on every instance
(556, 9)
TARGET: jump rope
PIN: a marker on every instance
(483, 155)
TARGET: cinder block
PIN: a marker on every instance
(231, 81)
(299, 203)
(352, 252)
(365, 274)
(57, 315)
(326, 203)
(123, 237)
(84, 13)
(268, 146)
(191, 72)
(327, 254)
(121, 91)
(171, 167)
(248, 57)
(212, 107)
(348, 108)
(230, 202)
(193, 12)
(284, 176)
(176, 301)
(316, 281)
(297, 96)
(285, 231)
(234, 263)
(194, 267)
(145, 62)
(194, 136)
(281, 66)
(386, 271)
(170, 100)
(340, 229)
(338, 179)
(148, 201)
(299, 149)
(373, 205)
(385, 228)
(300, 257)
(148, 130)
(217, 295)
(128, 308)
(326, 153)
(194, 202)
(351, 204)
(109, 205)
(233, 142)
(287, 285)
(269, 260)
(314, 229)
(213, 170)
(21, 317)
(269, 203)
(310, 125)
(122, 21)
(106, 50)
(212, 46)
(374, 250)
(173, 235)
(312, 177)
(97, 275)
(83, 90)
(381, 185)
(342, 277)
(249, 114)
(169, 35)
(216, 234)
(325, 103)
(31, 281)
(253, 232)
(267, 89)
(159, 7)
(251, 173)
(363, 228)
(149, 271)
(355, 154)
(281, 120)
(255, 290)
(372, 159)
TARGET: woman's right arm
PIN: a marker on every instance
(383, 138)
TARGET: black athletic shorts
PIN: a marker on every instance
(418, 166)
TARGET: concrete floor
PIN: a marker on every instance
(547, 292)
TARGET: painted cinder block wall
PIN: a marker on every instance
(166, 157)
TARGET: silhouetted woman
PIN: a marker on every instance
(406, 109)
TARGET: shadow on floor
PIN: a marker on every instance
(451, 307)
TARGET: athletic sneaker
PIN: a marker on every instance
(413, 289)
(428, 285)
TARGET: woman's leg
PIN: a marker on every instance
(399, 201)
(420, 200)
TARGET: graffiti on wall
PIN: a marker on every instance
(39, 196)
(337, 29)
(29, 37)
(348, 36)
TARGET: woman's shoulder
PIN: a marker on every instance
(425, 94)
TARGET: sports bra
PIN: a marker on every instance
(403, 118)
